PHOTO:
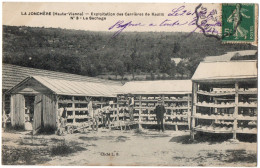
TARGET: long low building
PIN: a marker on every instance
(176, 95)
(42, 92)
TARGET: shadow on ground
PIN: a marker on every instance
(219, 156)
(212, 138)
(150, 133)
(107, 138)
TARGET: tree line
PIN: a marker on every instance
(97, 53)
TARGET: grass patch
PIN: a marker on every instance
(122, 139)
(34, 144)
(97, 138)
(22, 156)
(201, 138)
(139, 132)
(233, 156)
(241, 156)
(47, 130)
(64, 149)
(247, 138)
(211, 138)
(184, 139)
(88, 138)
(150, 134)
(14, 129)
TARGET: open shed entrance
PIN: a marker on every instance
(29, 112)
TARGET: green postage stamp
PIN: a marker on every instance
(238, 23)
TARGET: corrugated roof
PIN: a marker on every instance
(74, 88)
(13, 74)
(226, 70)
(157, 87)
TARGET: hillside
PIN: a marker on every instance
(96, 53)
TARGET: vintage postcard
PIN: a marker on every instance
(129, 84)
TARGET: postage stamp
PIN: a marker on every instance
(238, 22)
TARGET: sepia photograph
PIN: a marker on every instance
(129, 84)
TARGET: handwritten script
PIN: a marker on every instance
(122, 25)
(174, 20)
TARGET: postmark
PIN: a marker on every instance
(238, 23)
(208, 21)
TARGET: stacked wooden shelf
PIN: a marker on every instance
(225, 108)
(77, 107)
(178, 107)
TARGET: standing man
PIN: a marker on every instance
(159, 111)
(106, 111)
(131, 102)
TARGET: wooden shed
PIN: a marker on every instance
(175, 94)
(225, 98)
(37, 99)
(13, 75)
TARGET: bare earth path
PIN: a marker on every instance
(146, 148)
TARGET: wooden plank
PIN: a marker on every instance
(17, 110)
(189, 111)
(171, 108)
(194, 102)
(44, 111)
(117, 116)
(37, 120)
(140, 112)
(247, 92)
(113, 113)
(12, 108)
(213, 131)
(49, 111)
(48, 105)
(216, 105)
(124, 112)
(3, 110)
(235, 112)
(73, 107)
(163, 100)
(16, 113)
(214, 117)
(56, 106)
(215, 94)
(55, 110)
(77, 109)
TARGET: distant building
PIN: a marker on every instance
(176, 60)
(228, 56)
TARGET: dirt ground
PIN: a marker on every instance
(132, 147)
